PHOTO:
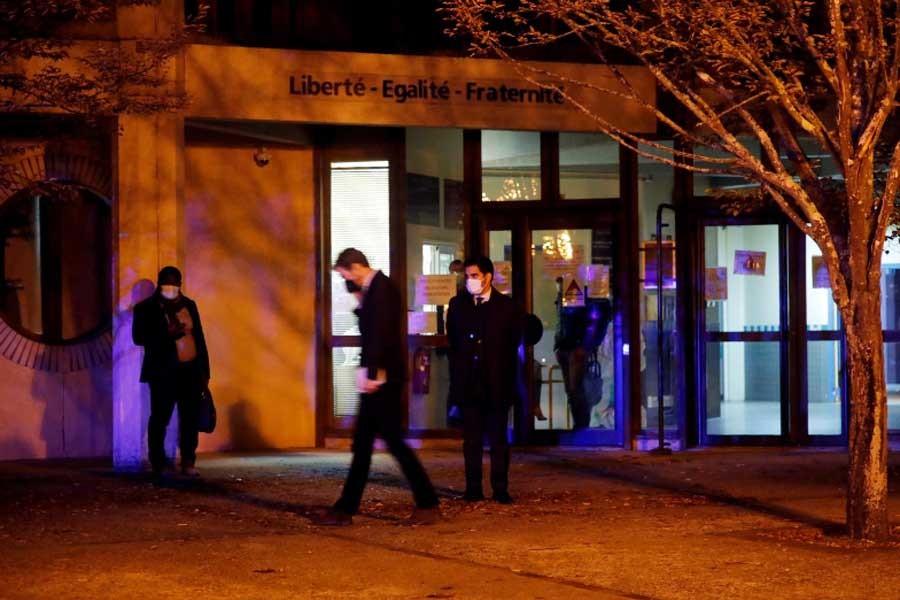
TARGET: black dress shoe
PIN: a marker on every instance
(333, 518)
(502, 498)
(164, 470)
(163, 474)
(473, 496)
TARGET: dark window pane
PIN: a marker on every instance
(510, 165)
(56, 265)
(588, 166)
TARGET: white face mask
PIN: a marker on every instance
(169, 292)
(474, 286)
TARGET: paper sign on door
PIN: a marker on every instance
(435, 289)
(749, 262)
(820, 273)
(716, 283)
(572, 293)
(558, 264)
(596, 281)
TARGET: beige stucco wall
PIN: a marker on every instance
(248, 240)
(55, 415)
(55, 401)
(250, 265)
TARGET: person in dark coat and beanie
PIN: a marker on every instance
(484, 330)
(380, 379)
(176, 367)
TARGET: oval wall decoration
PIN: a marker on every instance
(39, 356)
(51, 162)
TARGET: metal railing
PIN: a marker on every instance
(550, 381)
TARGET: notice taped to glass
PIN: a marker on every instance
(749, 262)
(820, 273)
(716, 283)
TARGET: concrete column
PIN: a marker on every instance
(148, 232)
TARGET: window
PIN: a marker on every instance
(656, 183)
(434, 212)
(359, 204)
(360, 217)
(890, 321)
(743, 330)
(423, 200)
(435, 238)
(821, 159)
(55, 265)
(588, 166)
(706, 183)
(823, 348)
(510, 166)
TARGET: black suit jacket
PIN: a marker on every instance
(149, 329)
(499, 327)
(380, 325)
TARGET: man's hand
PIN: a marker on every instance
(175, 329)
(366, 385)
(372, 385)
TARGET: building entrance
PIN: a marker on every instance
(744, 332)
(771, 353)
(565, 270)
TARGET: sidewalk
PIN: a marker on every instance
(734, 523)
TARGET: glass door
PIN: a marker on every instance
(744, 340)
(359, 199)
(890, 319)
(562, 270)
(825, 406)
(574, 365)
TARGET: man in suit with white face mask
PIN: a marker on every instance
(176, 366)
(484, 330)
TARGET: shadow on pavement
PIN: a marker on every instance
(643, 478)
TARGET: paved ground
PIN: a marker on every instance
(587, 524)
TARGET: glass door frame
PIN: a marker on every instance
(891, 336)
(522, 221)
(783, 337)
(350, 144)
(794, 338)
(800, 331)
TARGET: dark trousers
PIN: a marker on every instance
(182, 387)
(480, 420)
(379, 415)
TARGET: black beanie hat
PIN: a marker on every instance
(169, 272)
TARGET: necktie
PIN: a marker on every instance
(478, 300)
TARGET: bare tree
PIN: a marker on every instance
(65, 57)
(781, 72)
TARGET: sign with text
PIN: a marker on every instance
(559, 264)
(820, 273)
(572, 293)
(435, 289)
(651, 252)
(231, 82)
(601, 244)
(503, 276)
(596, 281)
(421, 323)
(716, 283)
(749, 262)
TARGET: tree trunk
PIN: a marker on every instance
(867, 476)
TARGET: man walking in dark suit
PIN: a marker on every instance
(176, 365)
(380, 378)
(484, 329)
